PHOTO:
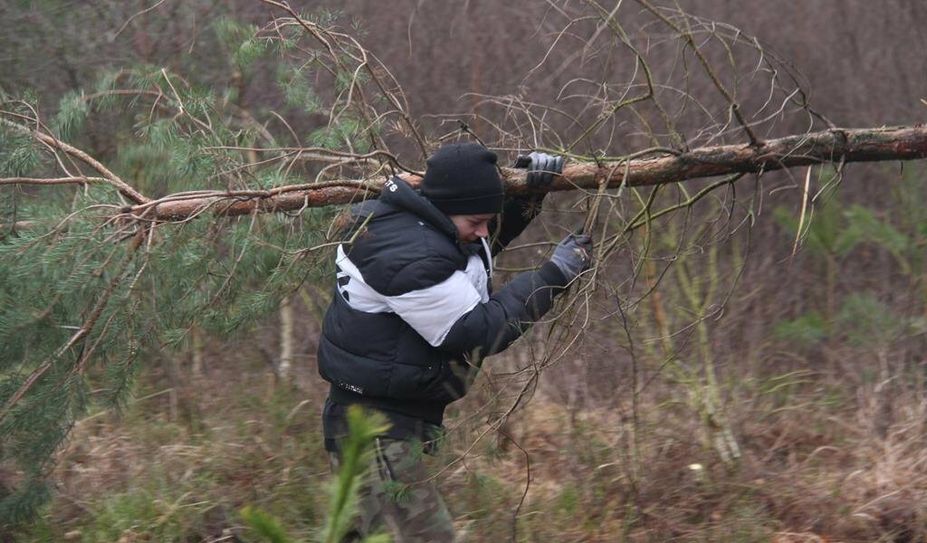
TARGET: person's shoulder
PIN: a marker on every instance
(421, 273)
(400, 253)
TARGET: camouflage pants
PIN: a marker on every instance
(398, 497)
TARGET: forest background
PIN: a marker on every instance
(746, 364)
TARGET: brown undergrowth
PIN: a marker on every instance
(815, 466)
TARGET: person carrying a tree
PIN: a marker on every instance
(414, 315)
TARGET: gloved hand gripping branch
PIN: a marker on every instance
(573, 255)
(541, 168)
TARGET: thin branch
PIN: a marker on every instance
(124, 188)
(78, 180)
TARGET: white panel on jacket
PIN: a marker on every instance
(433, 311)
(429, 311)
(354, 289)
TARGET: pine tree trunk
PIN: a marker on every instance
(287, 343)
(196, 355)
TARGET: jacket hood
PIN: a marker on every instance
(399, 194)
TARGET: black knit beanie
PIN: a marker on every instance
(462, 179)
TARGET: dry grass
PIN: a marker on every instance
(814, 468)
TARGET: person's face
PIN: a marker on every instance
(472, 227)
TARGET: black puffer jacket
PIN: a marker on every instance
(413, 313)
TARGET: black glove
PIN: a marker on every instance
(541, 168)
(573, 255)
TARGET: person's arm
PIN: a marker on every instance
(450, 315)
(517, 214)
(489, 328)
(519, 211)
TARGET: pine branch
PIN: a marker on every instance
(82, 333)
(829, 146)
(52, 142)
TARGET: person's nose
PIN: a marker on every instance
(483, 231)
